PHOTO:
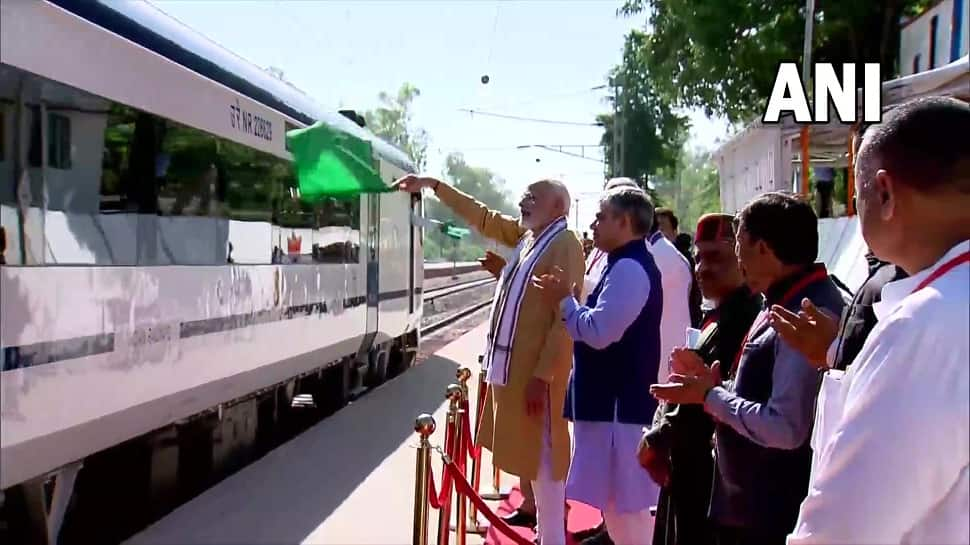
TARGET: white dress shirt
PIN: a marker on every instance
(675, 279)
(892, 434)
(595, 265)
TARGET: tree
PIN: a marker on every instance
(392, 122)
(482, 184)
(722, 55)
(652, 132)
(691, 189)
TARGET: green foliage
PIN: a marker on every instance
(691, 189)
(652, 132)
(392, 122)
(482, 184)
(722, 55)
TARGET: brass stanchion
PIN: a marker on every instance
(453, 395)
(463, 374)
(461, 459)
(496, 494)
(424, 426)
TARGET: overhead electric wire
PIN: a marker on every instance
(545, 99)
(550, 98)
(530, 119)
(598, 160)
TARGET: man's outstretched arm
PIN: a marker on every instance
(490, 223)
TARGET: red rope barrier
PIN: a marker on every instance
(465, 489)
(474, 451)
(439, 499)
(442, 498)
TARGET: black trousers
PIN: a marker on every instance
(726, 535)
(682, 509)
(823, 200)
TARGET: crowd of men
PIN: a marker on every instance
(785, 413)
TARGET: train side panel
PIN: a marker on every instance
(96, 356)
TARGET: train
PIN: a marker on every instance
(166, 294)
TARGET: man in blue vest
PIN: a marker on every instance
(616, 355)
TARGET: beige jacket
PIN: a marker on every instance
(541, 348)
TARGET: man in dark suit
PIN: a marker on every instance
(676, 450)
(830, 344)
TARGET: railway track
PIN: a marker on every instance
(431, 295)
(468, 305)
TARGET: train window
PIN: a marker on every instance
(33, 152)
(255, 182)
(127, 187)
(338, 231)
(58, 141)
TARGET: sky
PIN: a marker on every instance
(543, 59)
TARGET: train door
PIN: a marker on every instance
(373, 265)
(363, 362)
(414, 249)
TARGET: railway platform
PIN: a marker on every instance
(348, 480)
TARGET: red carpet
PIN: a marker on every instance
(581, 517)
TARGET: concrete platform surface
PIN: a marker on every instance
(349, 480)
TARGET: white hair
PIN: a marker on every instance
(635, 203)
(560, 191)
(620, 182)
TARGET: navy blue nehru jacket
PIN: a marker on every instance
(614, 381)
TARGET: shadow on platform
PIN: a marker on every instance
(286, 495)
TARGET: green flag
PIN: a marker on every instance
(332, 163)
(456, 233)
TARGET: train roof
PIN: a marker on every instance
(149, 27)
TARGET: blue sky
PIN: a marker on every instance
(542, 58)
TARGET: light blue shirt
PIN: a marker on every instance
(785, 421)
(626, 288)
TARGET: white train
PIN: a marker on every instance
(164, 293)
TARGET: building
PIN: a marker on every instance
(938, 36)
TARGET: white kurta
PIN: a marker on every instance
(892, 434)
(676, 278)
(595, 265)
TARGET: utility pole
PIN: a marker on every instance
(806, 77)
(576, 211)
(617, 131)
(807, 46)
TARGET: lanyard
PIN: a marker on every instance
(942, 270)
(815, 276)
(599, 254)
(712, 318)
